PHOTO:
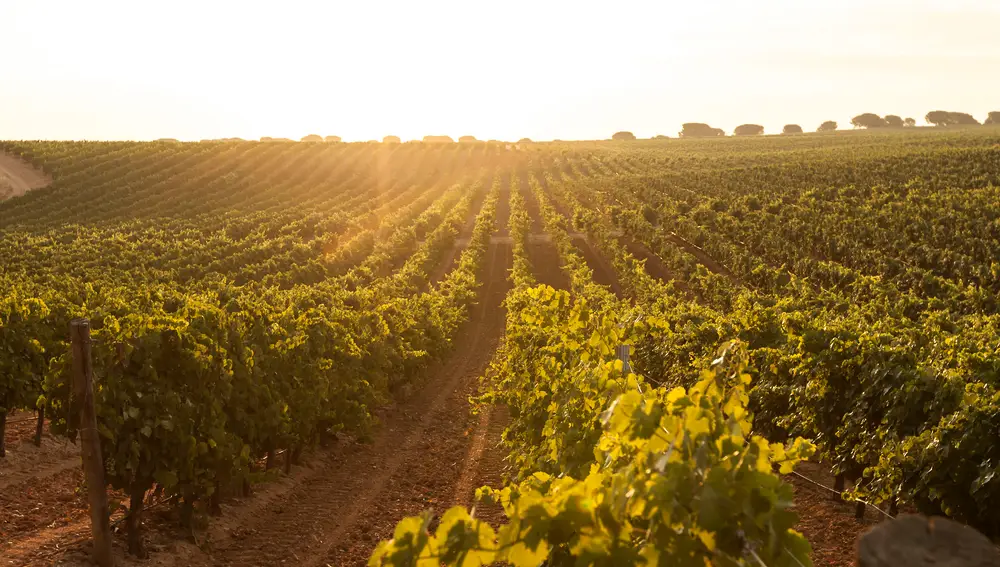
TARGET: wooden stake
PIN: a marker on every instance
(40, 426)
(90, 442)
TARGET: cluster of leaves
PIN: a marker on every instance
(519, 224)
(25, 329)
(611, 470)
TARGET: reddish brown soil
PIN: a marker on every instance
(38, 489)
(39, 502)
(544, 259)
(20, 427)
(485, 464)
(825, 519)
(25, 461)
(542, 253)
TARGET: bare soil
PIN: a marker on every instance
(18, 177)
(38, 487)
(604, 273)
(826, 520)
(542, 253)
(451, 260)
(25, 461)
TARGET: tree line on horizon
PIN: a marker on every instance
(867, 120)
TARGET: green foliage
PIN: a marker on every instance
(24, 328)
(666, 477)
(862, 283)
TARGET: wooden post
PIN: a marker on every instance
(622, 352)
(90, 442)
(40, 426)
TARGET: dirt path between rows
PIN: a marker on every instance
(18, 177)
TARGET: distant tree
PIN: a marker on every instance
(909, 123)
(439, 139)
(993, 119)
(626, 136)
(791, 129)
(748, 130)
(938, 117)
(331, 139)
(266, 139)
(868, 120)
(828, 126)
(963, 119)
(661, 137)
(946, 118)
(524, 141)
(467, 139)
(171, 140)
(699, 130)
(390, 140)
(312, 138)
(893, 121)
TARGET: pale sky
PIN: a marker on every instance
(192, 69)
